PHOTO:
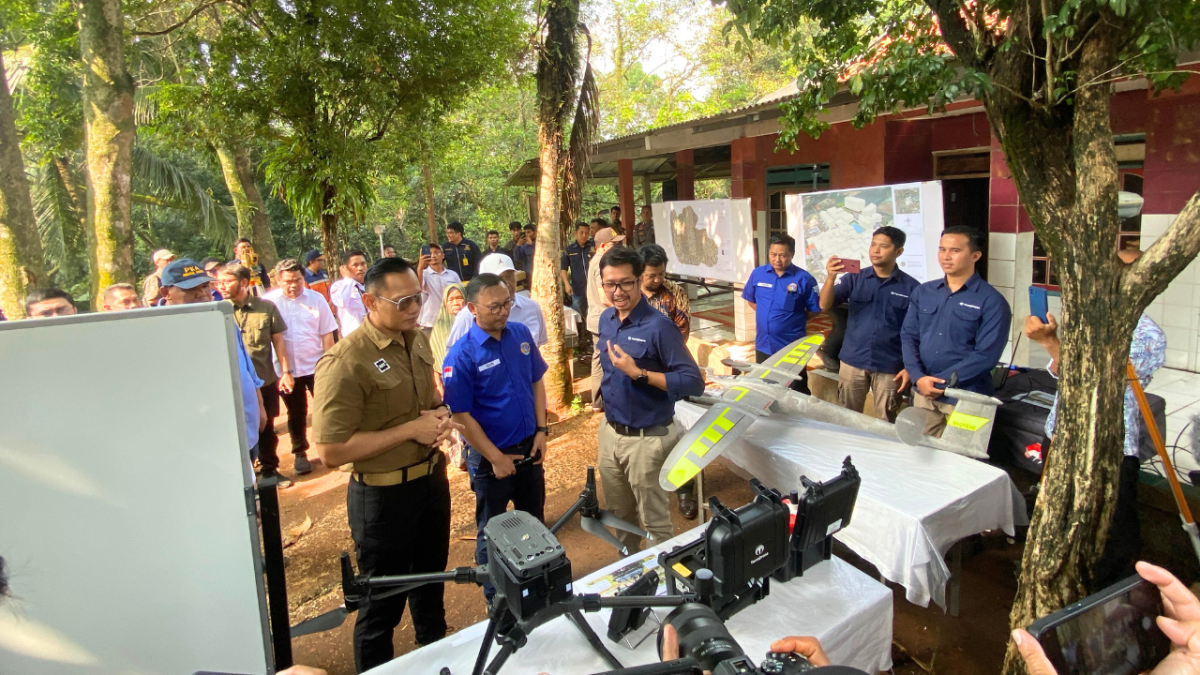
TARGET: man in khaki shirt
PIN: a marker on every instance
(262, 330)
(375, 407)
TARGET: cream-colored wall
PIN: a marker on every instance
(1177, 309)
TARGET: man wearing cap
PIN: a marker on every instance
(375, 407)
(315, 276)
(161, 258)
(309, 335)
(184, 282)
(346, 293)
(262, 328)
(493, 380)
(524, 309)
(597, 301)
(435, 277)
(462, 255)
(647, 368)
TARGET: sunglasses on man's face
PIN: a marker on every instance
(405, 302)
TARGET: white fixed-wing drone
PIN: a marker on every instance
(763, 389)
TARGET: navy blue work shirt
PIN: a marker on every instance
(781, 305)
(576, 260)
(463, 258)
(523, 260)
(493, 381)
(877, 310)
(311, 277)
(964, 332)
(655, 345)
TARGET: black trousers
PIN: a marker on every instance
(400, 529)
(296, 403)
(268, 441)
(800, 385)
(526, 489)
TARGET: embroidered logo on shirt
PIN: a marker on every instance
(630, 337)
(489, 364)
(963, 304)
(899, 295)
(382, 366)
(791, 288)
(524, 349)
(763, 284)
(447, 372)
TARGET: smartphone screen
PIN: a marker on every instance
(425, 249)
(850, 265)
(1113, 632)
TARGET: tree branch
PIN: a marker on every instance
(955, 32)
(187, 19)
(1149, 275)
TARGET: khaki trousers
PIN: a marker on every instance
(629, 467)
(597, 372)
(854, 383)
(936, 413)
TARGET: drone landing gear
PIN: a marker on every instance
(511, 636)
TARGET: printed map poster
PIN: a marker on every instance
(710, 239)
(841, 223)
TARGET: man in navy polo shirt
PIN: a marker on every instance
(958, 324)
(782, 296)
(493, 381)
(871, 357)
(647, 368)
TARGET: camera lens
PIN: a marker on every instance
(702, 636)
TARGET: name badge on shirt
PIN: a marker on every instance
(382, 366)
(489, 364)
(763, 284)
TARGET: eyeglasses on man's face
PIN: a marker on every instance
(405, 302)
(497, 307)
(626, 286)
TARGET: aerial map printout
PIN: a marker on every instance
(841, 222)
(700, 237)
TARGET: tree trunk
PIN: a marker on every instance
(109, 135)
(329, 229)
(21, 258)
(253, 223)
(555, 82)
(427, 175)
(1066, 173)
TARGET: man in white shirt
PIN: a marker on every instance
(524, 310)
(435, 277)
(346, 293)
(310, 326)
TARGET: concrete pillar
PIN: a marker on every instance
(685, 171)
(647, 192)
(625, 193)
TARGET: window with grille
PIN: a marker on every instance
(790, 180)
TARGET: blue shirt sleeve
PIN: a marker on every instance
(990, 340)
(460, 386)
(843, 288)
(813, 302)
(910, 337)
(682, 374)
(749, 289)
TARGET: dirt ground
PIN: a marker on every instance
(926, 639)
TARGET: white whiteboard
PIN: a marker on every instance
(840, 222)
(124, 518)
(708, 238)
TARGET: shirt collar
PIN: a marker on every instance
(640, 311)
(480, 335)
(248, 303)
(972, 283)
(381, 339)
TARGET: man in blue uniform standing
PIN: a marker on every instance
(493, 380)
(574, 266)
(462, 255)
(782, 297)
(871, 358)
(958, 324)
(647, 368)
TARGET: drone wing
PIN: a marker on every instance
(793, 358)
(724, 422)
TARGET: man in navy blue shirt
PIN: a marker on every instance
(647, 367)
(462, 255)
(871, 357)
(493, 381)
(574, 266)
(958, 324)
(782, 297)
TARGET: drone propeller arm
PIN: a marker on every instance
(558, 525)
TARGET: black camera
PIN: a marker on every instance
(704, 638)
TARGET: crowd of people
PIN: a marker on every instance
(404, 359)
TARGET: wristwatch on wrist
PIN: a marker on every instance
(643, 378)
(544, 430)
(287, 372)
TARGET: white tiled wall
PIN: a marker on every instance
(1177, 309)
(1010, 270)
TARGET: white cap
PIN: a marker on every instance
(496, 263)
(161, 254)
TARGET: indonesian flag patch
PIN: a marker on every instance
(447, 372)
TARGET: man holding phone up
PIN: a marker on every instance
(871, 358)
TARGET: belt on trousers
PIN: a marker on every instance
(401, 475)
(658, 430)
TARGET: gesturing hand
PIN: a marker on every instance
(926, 387)
(622, 361)
(903, 378)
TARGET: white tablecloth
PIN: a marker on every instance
(848, 611)
(914, 504)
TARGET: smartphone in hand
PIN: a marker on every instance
(850, 265)
(1039, 304)
(425, 250)
(1113, 632)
